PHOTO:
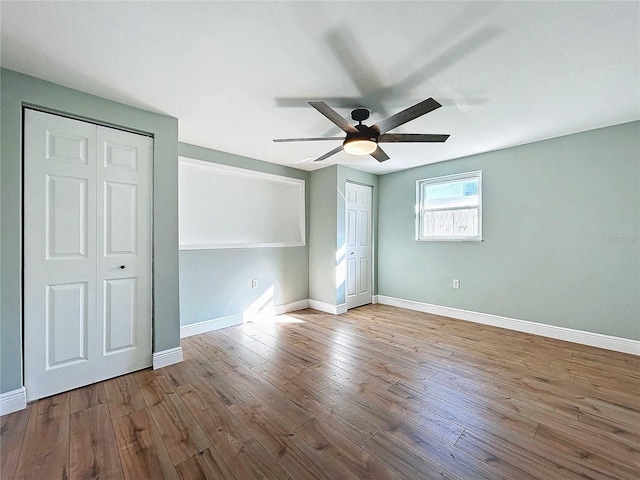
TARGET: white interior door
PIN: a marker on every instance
(87, 253)
(358, 244)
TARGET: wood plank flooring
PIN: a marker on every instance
(377, 393)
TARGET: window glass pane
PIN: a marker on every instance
(461, 193)
(449, 223)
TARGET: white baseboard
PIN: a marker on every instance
(599, 340)
(374, 299)
(210, 325)
(322, 307)
(327, 307)
(167, 357)
(13, 401)
(292, 307)
(233, 320)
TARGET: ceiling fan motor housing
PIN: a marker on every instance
(363, 133)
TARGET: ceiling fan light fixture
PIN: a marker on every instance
(360, 146)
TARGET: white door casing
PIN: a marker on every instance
(87, 213)
(358, 243)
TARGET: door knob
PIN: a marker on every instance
(121, 267)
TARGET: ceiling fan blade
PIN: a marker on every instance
(327, 155)
(379, 155)
(311, 139)
(411, 137)
(400, 118)
(337, 102)
(304, 160)
(334, 116)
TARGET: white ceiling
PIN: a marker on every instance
(238, 74)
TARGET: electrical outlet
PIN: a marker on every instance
(456, 283)
(254, 283)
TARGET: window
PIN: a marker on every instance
(449, 208)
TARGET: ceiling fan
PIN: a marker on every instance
(362, 139)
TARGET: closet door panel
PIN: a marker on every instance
(59, 248)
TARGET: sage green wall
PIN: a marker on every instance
(328, 229)
(217, 283)
(18, 89)
(322, 235)
(561, 228)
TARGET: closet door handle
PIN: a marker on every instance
(122, 267)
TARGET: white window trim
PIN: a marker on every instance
(445, 179)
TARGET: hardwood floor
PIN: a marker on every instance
(377, 393)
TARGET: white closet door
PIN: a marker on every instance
(124, 252)
(65, 255)
(358, 244)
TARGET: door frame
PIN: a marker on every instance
(27, 106)
(372, 236)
